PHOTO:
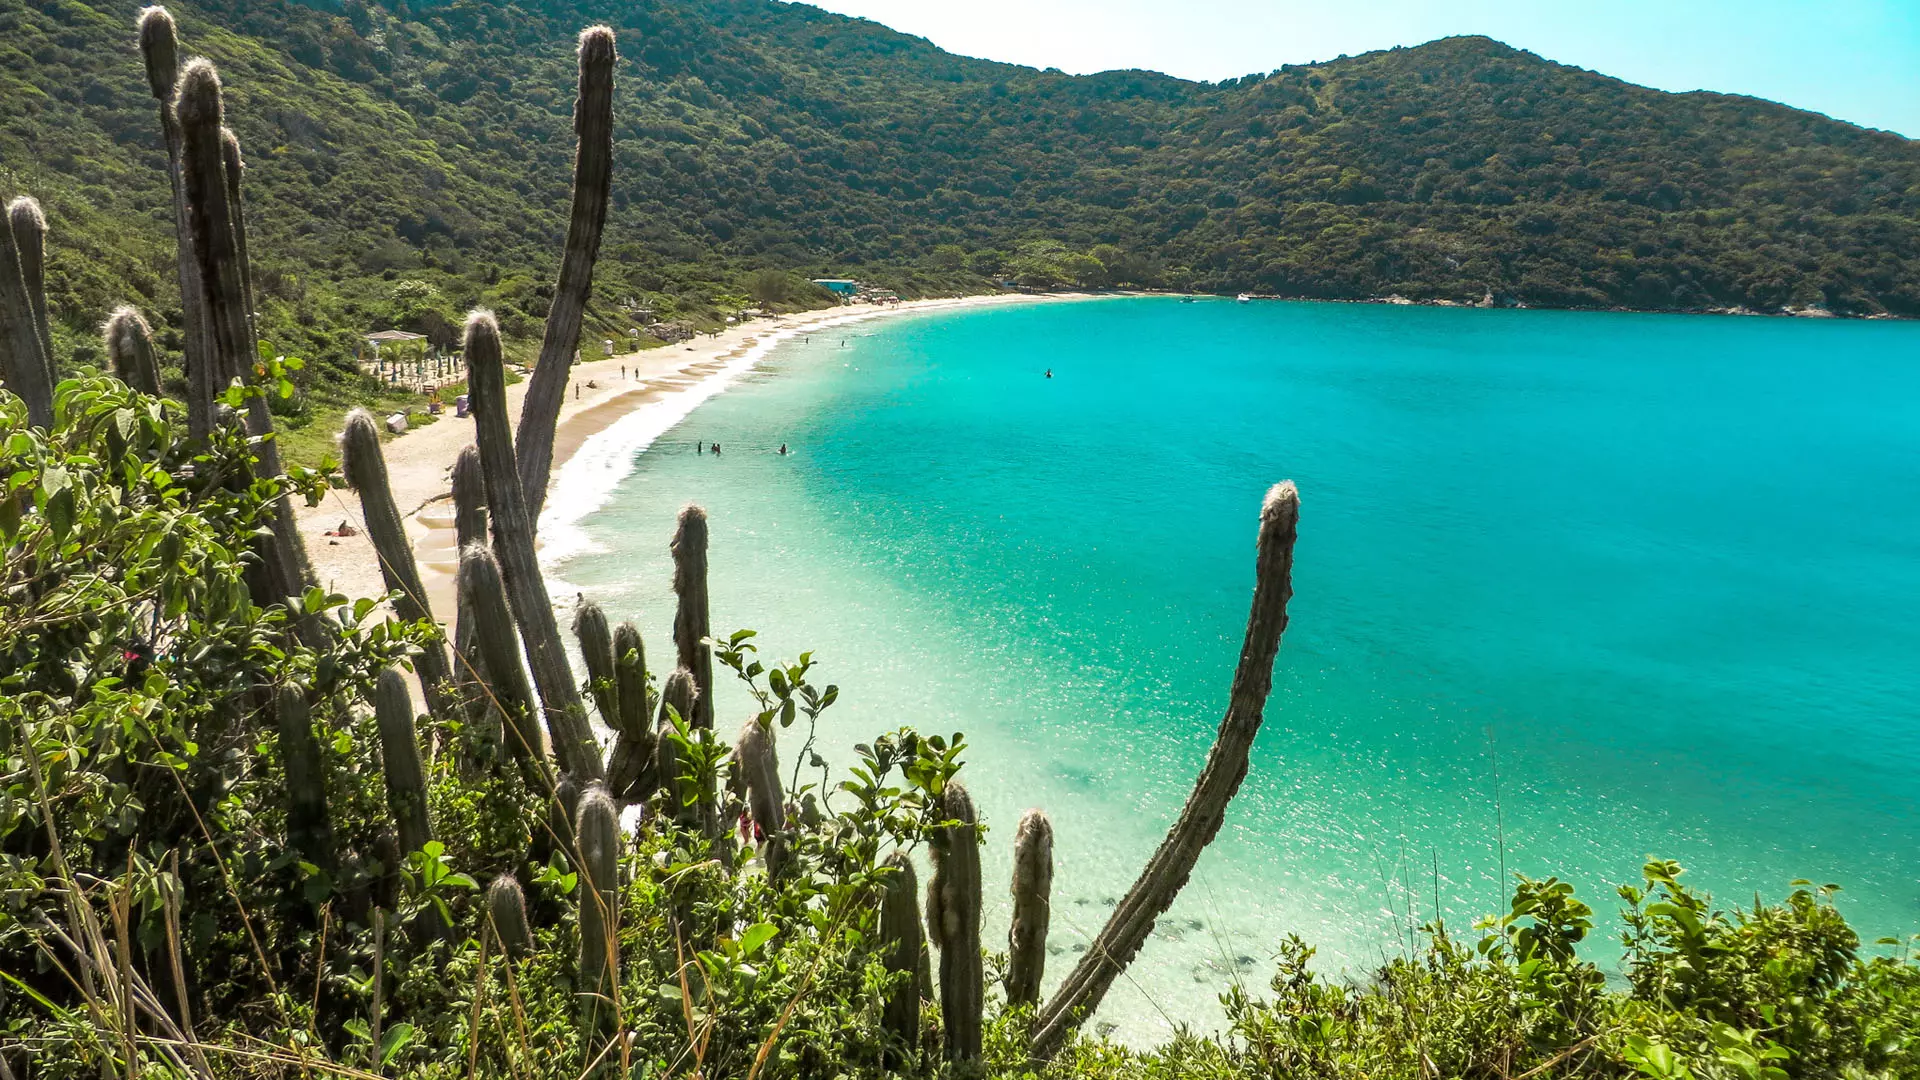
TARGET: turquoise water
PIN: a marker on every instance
(1657, 573)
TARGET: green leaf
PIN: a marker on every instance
(396, 1040)
(755, 936)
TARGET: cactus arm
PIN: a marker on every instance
(596, 651)
(1032, 907)
(956, 886)
(24, 366)
(597, 826)
(566, 714)
(629, 773)
(592, 182)
(234, 167)
(495, 641)
(366, 467)
(160, 50)
(129, 342)
(212, 212)
(901, 945)
(29, 224)
(309, 827)
(470, 672)
(406, 780)
(692, 623)
(507, 914)
(759, 766)
(677, 696)
(1167, 871)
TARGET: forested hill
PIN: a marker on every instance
(430, 147)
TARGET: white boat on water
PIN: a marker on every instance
(1243, 298)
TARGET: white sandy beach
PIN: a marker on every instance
(419, 461)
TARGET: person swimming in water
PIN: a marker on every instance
(783, 449)
(1049, 373)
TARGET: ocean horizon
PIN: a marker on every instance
(1571, 590)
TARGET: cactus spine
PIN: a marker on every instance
(592, 183)
(953, 917)
(691, 620)
(630, 775)
(901, 949)
(566, 714)
(494, 640)
(366, 467)
(129, 342)
(26, 366)
(507, 914)
(598, 829)
(400, 765)
(1160, 881)
(309, 828)
(759, 767)
(1032, 907)
(29, 225)
(160, 50)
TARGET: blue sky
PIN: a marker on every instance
(1858, 60)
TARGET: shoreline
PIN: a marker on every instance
(662, 385)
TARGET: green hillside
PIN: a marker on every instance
(390, 144)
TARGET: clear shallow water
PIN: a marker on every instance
(1663, 570)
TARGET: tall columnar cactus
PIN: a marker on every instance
(596, 651)
(759, 767)
(507, 914)
(592, 183)
(160, 50)
(499, 647)
(366, 467)
(1127, 928)
(406, 780)
(29, 225)
(677, 697)
(692, 623)
(213, 212)
(1032, 907)
(598, 830)
(566, 714)
(901, 946)
(630, 773)
(129, 342)
(26, 368)
(309, 827)
(953, 918)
